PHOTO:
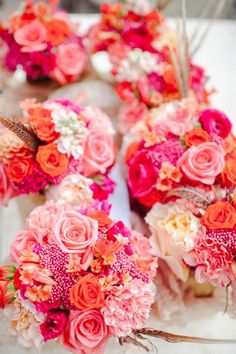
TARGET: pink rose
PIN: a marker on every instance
(23, 239)
(99, 154)
(74, 232)
(85, 332)
(71, 60)
(203, 163)
(215, 122)
(32, 37)
(6, 189)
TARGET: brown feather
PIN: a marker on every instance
(24, 132)
(175, 338)
(198, 196)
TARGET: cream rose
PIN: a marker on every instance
(173, 231)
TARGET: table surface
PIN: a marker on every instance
(203, 317)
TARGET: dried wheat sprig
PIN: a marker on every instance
(177, 69)
(205, 13)
(175, 338)
(204, 34)
(24, 132)
(162, 4)
(185, 65)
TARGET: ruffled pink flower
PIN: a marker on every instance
(202, 163)
(135, 296)
(102, 187)
(129, 115)
(23, 239)
(71, 60)
(41, 218)
(215, 122)
(54, 325)
(212, 261)
(85, 332)
(32, 37)
(7, 191)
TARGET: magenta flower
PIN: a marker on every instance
(54, 325)
(215, 122)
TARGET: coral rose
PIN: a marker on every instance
(215, 122)
(228, 175)
(220, 215)
(18, 168)
(87, 293)
(196, 136)
(51, 160)
(41, 119)
(57, 31)
(31, 37)
(85, 332)
(202, 163)
(23, 239)
(99, 153)
(6, 189)
(74, 232)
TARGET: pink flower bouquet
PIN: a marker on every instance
(57, 143)
(179, 145)
(139, 44)
(77, 280)
(44, 42)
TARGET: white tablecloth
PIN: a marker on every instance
(203, 317)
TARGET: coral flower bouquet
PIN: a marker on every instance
(76, 280)
(57, 143)
(44, 42)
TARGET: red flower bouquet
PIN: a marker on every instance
(77, 280)
(44, 42)
(57, 143)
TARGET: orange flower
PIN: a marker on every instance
(101, 217)
(57, 31)
(229, 173)
(220, 215)
(41, 119)
(230, 145)
(196, 136)
(87, 293)
(18, 168)
(51, 160)
(131, 151)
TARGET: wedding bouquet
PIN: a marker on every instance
(77, 280)
(140, 45)
(44, 42)
(57, 143)
(180, 145)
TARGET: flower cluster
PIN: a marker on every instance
(72, 140)
(77, 279)
(137, 40)
(44, 42)
(180, 144)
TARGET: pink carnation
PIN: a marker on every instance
(212, 261)
(40, 220)
(135, 296)
(54, 325)
(129, 115)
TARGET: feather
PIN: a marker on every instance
(198, 196)
(22, 131)
(175, 338)
(162, 4)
